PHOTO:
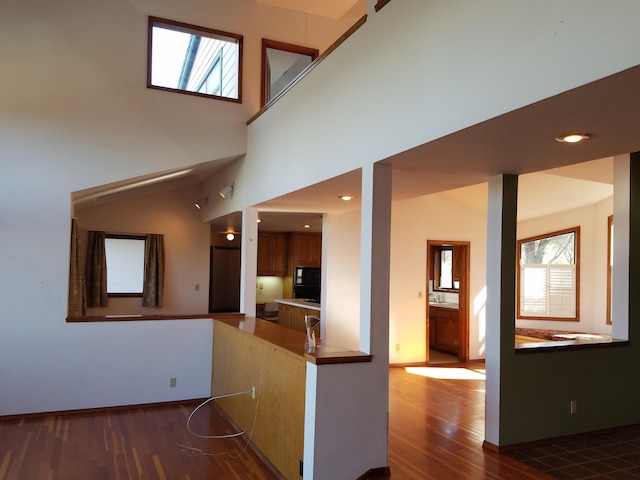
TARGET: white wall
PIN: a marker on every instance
(75, 113)
(453, 83)
(341, 237)
(592, 220)
(414, 221)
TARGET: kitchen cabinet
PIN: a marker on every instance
(272, 254)
(444, 329)
(293, 317)
(284, 315)
(306, 249)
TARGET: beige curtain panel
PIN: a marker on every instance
(77, 306)
(96, 271)
(153, 288)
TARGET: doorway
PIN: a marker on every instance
(447, 312)
(224, 272)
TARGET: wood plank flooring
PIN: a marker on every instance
(141, 443)
(436, 428)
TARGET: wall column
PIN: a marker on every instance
(249, 262)
(501, 294)
(347, 405)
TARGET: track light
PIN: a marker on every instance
(226, 192)
(200, 203)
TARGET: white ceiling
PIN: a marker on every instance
(325, 8)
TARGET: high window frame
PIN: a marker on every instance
(557, 283)
(186, 64)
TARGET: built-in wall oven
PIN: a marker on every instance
(306, 283)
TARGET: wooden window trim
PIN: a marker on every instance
(195, 29)
(285, 47)
(575, 230)
(381, 4)
(313, 65)
(609, 269)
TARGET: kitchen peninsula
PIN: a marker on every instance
(291, 313)
(268, 365)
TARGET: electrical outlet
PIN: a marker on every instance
(420, 294)
(397, 347)
(197, 287)
(253, 392)
(172, 382)
(574, 406)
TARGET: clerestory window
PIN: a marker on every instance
(195, 60)
(548, 287)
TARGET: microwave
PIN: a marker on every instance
(307, 276)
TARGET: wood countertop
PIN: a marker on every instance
(297, 302)
(292, 341)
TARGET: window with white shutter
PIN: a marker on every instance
(547, 281)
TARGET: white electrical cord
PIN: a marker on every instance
(193, 451)
(231, 435)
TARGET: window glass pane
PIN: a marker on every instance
(446, 268)
(194, 59)
(125, 265)
(548, 276)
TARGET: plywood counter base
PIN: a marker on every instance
(253, 355)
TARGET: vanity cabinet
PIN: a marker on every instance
(272, 258)
(444, 329)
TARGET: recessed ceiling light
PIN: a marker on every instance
(573, 137)
(307, 225)
(346, 198)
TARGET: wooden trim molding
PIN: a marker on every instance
(375, 473)
(563, 438)
(381, 4)
(285, 47)
(313, 65)
(129, 318)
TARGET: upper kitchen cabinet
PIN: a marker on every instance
(306, 249)
(272, 254)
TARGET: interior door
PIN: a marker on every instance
(224, 293)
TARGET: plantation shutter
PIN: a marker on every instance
(562, 291)
(548, 290)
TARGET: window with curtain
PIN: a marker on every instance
(125, 266)
(548, 287)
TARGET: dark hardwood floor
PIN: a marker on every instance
(121, 444)
(436, 427)
(436, 432)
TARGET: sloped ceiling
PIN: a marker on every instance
(325, 8)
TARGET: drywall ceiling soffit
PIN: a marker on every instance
(523, 141)
(147, 184)
(290, 212)
(519, 142)
(547, 192)
(333, 9)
